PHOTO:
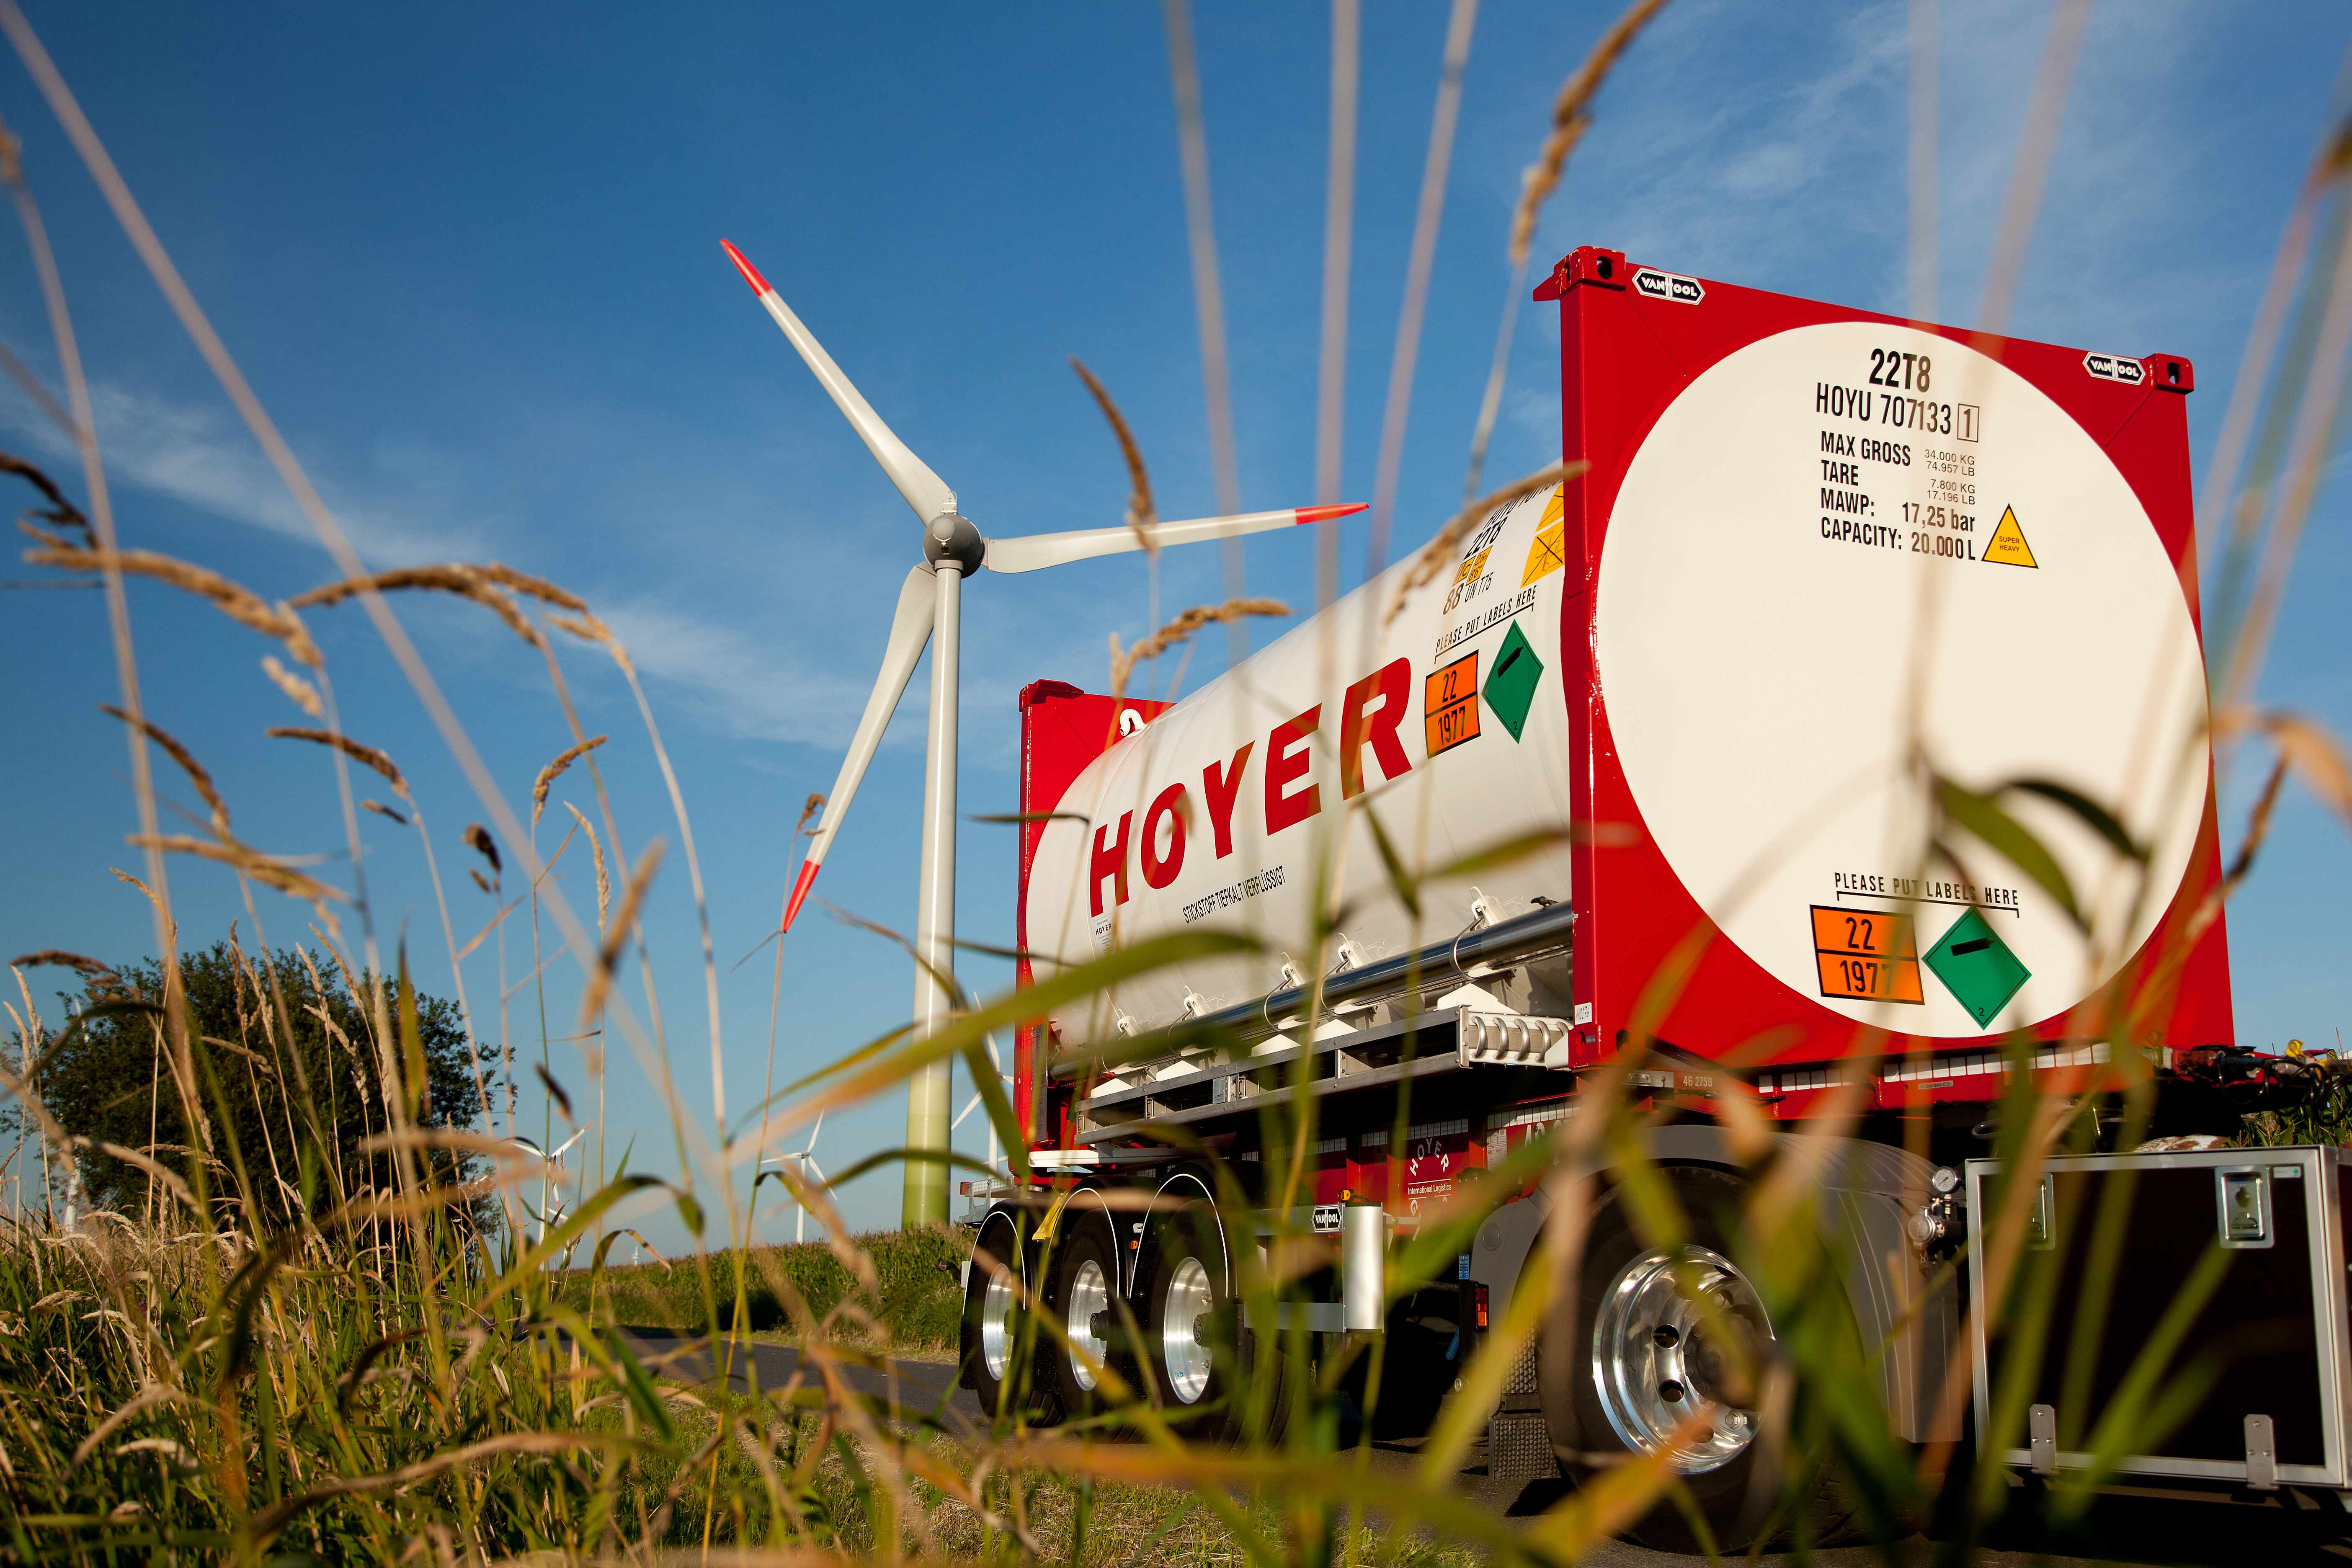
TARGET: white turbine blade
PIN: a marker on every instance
(1033, 552)
(911, 628)
(969, 1107)
(924, 491)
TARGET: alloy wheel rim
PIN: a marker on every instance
(1658, 1355)
(1188, 1302)
(996, 1323)
(1089, 1294)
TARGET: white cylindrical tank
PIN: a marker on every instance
(1441, 711)
(1802, 609)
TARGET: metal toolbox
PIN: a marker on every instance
(2276, 1324)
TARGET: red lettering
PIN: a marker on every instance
(1221, 793)
(1392, 686)
(1286, 761)
(1171, 804)
(1109, 861)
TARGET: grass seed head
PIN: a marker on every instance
(555, 1092)
(588, 628)
(1433, 555)
(1569, 120)
(478, 839)
(366, 756)
(604, 878)
(240, 603)
(59, 511)
(616, 934)
(1140, 513)
(1180, 630)
(554, 769)
(299, 691)
(251, 862)
(539, 588)
(180, 754)
(470, 582)
(60, 958)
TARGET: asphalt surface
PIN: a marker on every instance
(2142, 1531)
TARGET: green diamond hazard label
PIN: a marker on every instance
(1511, 689)
(1977, 967)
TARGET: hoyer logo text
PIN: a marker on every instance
(1288, 790)
(1660, 285)
(2116, 367)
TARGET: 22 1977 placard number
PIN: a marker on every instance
(1866, 955)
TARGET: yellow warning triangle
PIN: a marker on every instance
(2007, 545)
(1549, 552)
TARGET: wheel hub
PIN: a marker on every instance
(996, 1323)
(1660, 1354)
(1183, 1321)
(1088, 1310)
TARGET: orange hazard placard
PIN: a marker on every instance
(1449, 704)
(1866, 954)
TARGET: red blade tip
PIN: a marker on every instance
(1325, 513)
(809, 869)
(750, 273)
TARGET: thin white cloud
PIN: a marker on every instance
(733, 682)
(1694, 164)
(198, 455)
(738, 683)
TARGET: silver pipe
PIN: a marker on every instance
(1363, 1268)
(1530, 936)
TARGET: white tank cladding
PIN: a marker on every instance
(1445, 717)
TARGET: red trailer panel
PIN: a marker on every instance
(1655, 955)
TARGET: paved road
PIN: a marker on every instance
(2158, 1532)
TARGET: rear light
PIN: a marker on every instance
(1477, 1305)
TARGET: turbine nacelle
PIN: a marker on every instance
(950, 536)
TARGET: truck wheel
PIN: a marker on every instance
(998, 1349)
(1210, 1376)
(1186, 1313)
(1082, 1299)
(1646, 1359)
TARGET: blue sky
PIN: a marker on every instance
(470, 261)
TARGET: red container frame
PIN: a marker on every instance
(1625, 354)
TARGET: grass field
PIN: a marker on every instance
(916, 1305)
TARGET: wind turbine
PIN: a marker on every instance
(930, 603)
(805, 1159)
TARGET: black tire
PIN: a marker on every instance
(1082, 1298)
(998, 1341)
(1209, 1377)
(1615, 1380)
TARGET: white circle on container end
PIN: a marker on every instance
(1773, 652)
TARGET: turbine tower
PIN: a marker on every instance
(930, 611)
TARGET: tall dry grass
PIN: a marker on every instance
(389, 1378)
